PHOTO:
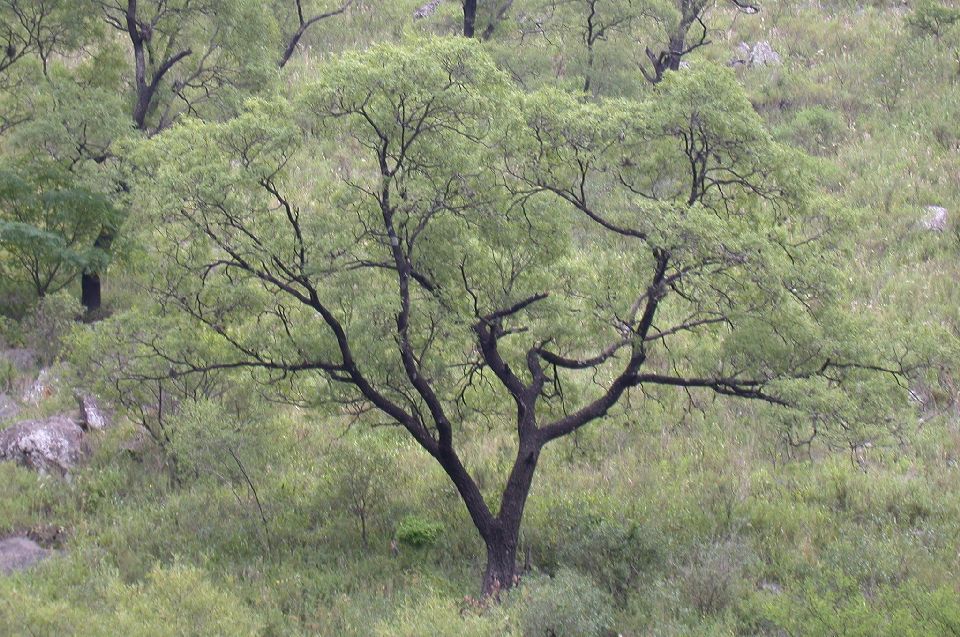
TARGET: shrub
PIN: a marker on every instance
(714, 580)
(817, 130)
(595, 536)
(931, 18)
(568, 604)
(53, 319)
(436, 615)
(181, 600)
(8, 375)
(418, 532)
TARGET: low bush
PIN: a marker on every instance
(568, 604)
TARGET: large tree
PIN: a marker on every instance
(417, 240)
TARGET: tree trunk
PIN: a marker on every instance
(469, 18)
(90, 292)
(678, 43)
(503, 536)
(501, 571)
(90, 295)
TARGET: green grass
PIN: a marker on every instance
(659, 522)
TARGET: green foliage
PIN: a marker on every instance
(681, 515)
(817, 130)
(181, 600)
(597, 537)
(53, 319)
(175, 600)
(419, 532)
(931, 18)
(566, 605)
(48, 223)
(439, 615)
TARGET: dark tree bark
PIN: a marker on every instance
(90, 292)
(469, 18)
(90, 295)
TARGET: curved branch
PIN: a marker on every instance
(304, 25)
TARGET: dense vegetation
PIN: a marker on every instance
(592, 322)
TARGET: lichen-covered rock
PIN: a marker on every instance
(8, 408)
(20, 553)
(51, 445)
(426, 10)
(92, 415)
(40, 389)
(741, 56)
(760, 54)
(936, 219)
(22, 359)
(764, 55)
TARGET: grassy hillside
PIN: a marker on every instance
(679, 515)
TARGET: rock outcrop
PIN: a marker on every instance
(426, 10)
(23, 360)
(20, 553)
(8, 408)
(40, 389)
(936, 219)
(760, 54)
(92, 416)
(51, 445)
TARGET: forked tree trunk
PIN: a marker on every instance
(502, 536)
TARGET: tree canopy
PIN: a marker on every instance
(412, 236)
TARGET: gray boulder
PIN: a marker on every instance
(8, 408)
(50, 446)
(20, 553)
(760, 54)
(764, 55)
(426, 10)
(22, 359)
(92, 415)
(40, 389)
(936, 218)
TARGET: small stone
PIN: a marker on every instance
(20, 553)
(936, 219)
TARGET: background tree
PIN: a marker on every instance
(305, 17)
(539, 256)
(490, 12)
(598, 40)
(685, 33)
(194, 57)
(47, 225)
(60, 106)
